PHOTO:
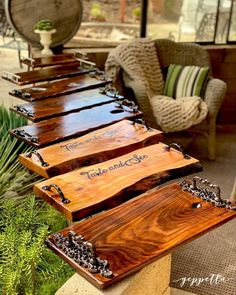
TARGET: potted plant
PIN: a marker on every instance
(45, 28)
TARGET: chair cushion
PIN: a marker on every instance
(185, 81)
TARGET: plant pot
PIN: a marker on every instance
(46, 40)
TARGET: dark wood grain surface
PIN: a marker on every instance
(61, 105)
(53, 60)
(57, 88)
(48, 74)
(97, 146)
(108, 184)
(143, 230)
(73, 125)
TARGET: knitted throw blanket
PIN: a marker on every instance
(142, 73)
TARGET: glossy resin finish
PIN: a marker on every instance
(47, 74)
(57, 88)
(73, 125)
(105, 185)
(97, 146)
(143, 230)
(61, 105)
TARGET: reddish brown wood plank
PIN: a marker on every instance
(143, 230)
(56, 88)
(98, 146)
(61, 105)
(47, 74)
(108, 184)
(53, 60)
(73, 125)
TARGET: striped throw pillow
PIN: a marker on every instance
(182, 81)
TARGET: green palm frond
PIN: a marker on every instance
(15, 180)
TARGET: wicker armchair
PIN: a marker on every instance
(170, 52)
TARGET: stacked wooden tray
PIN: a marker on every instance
(62, 87)
(122, 240)
(111, 158)
(48, 61)
(97, 146)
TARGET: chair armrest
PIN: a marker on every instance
(214, 95)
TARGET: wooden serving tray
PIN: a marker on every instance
(61, 105)
(57, 88)
(108, 184)
(47, 74)
(97, 146)
(73, 125)
(53, 60)
(143, 230)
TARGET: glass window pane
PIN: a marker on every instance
(184, 20)
(107, 23)
(223, 21)
(232, 29)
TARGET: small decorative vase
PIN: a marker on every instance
(46, 40)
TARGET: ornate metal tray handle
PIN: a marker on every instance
(179, 148)
(142, 122)
(127, 105)
(27, 136)
(207, 191)
(19, 93)
(82, 252)
(10, 76)
(23, 110)
(58, 190)
(37, 154)
(111, 92)
(99, 75)
(85, 64)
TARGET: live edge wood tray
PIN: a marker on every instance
(47, 61)
(97, 146)
(127, 238)
(88, 190)
(73, 125)
(57, 88)
(62, 105)
(47, 74)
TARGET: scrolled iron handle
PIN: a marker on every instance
(111, 91)
(205, 193)
(58, 190)
(24, 134)
(179, 148)
(206, 182)
(37, 154)
(141, 122)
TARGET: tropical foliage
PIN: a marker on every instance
(27, 266)
(15, 181)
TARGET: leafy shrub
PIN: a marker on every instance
(96, 12)
(44, 25)
(27, 266)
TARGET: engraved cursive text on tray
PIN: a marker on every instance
(76, 145)
(136, 159)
